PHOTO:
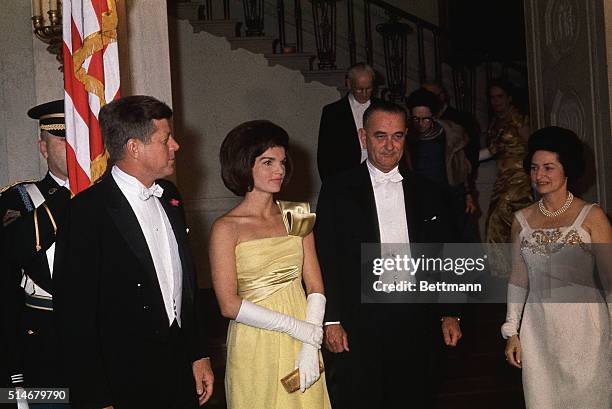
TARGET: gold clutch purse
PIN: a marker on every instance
(291, 382)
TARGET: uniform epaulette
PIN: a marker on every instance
(5, 188)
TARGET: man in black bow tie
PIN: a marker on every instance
(382, 352)
(126, 289)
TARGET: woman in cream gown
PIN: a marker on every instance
(260, 252)
(559, 313)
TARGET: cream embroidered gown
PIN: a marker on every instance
(269, 272)
(566, 349)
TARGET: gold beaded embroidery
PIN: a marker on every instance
(549, 241)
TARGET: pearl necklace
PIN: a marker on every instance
(562, 209)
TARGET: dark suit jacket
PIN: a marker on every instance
(108, 303)
(346, 218)
(338, 147)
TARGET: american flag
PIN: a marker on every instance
(91, 79)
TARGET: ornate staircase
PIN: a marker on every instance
(269, 46)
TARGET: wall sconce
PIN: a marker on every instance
(49, 31)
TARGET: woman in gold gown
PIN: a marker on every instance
(260, 253)
(507, 143)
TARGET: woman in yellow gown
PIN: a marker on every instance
(507, 143)
(260, 252)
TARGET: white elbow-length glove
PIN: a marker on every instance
(514, 310)
(308, 359)
(260, 317)
(22, 403)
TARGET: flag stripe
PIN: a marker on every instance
(91, 79)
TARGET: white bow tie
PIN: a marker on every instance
(155, 190)
(393, 176)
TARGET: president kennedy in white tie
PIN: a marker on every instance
(126, 305)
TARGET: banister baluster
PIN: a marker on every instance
(226, 10)
(368, 32)
(351, 32)
(437, 62)
(280, 15)
(324, 14)
(421, 54)
(299, 42)
(253, 17)
(395, 35)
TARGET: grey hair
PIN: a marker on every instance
(360, 68)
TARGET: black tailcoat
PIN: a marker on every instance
(338, 147)
(390, 344)
(110, 312)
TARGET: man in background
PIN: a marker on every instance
(339, 145)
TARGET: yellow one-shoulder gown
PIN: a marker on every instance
(269, 273)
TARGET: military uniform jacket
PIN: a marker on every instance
(27, 233)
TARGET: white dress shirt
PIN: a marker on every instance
(160, 240)
(358, 109)
(392, 224)
(62, 183)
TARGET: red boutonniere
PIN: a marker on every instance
(174, 202)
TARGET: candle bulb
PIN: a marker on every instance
(52, 5)
(36, 8)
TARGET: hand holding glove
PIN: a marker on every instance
(265, 318)
(308, 358)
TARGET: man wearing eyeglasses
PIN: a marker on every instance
(339, 145)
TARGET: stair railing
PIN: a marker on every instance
(206, 10)
(377, 32)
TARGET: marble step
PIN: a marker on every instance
(333, 78)
(294, 61)
(262, 45)
(221, 28)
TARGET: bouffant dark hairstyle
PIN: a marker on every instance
(565, 143)
(242, 145)
(423, 98)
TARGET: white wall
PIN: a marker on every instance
(144, 49)
(28, 75)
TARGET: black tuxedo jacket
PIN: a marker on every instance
(108, 304)
(338, 147)
(346, 218)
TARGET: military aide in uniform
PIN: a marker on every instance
(30, 213)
